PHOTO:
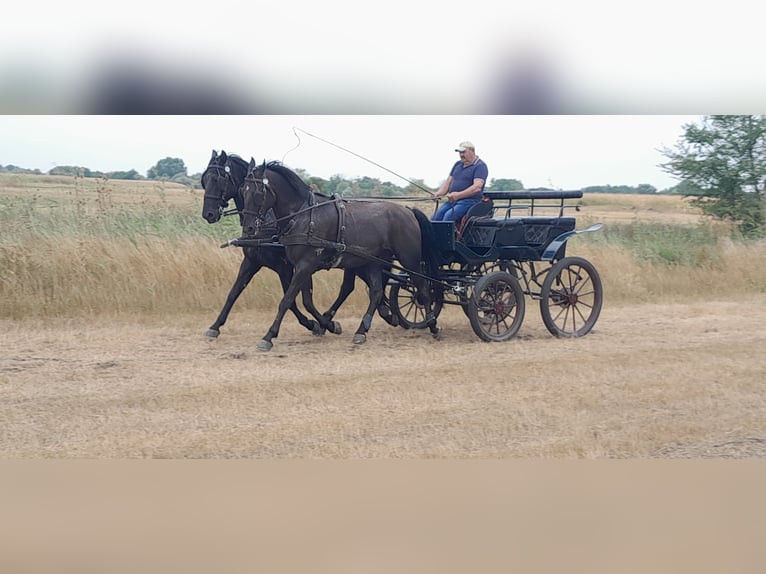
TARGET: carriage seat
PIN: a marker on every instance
(481, 210)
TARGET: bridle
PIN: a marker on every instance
(262, 186)
(221, 171)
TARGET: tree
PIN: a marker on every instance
(74, 170)
(130, 174)
(504, 185)
(167, 168)
(644, 188)
(722, 165)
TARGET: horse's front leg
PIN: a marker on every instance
(301, 276)
(375, 283)
(285, 272)
(247, 270)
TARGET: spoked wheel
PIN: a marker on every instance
(480, 270)
(405, 305)
(571, 297)
(496, 307)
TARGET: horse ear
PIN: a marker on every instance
(224, 157)
(212, 157)
(252, 163)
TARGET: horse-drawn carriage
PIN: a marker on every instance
(503, 250)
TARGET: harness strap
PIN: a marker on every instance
(341, 208)
(310, 241)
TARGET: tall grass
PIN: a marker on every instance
(665, 244)
(71, 247)
(649, 264)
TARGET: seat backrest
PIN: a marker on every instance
(481, 210)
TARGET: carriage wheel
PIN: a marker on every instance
(496, 308)
(405, 305)
(571, 297)
(485, 268)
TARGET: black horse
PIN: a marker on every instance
(321, 232)
(222, 182)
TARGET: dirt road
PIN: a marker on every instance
(678, 380)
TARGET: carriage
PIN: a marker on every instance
(502, 250)
(510, 246)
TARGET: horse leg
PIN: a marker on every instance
(346, 288)
(324, 322)
(424, 298)
(376, 292)
(384, 308)
(247, 270)
(285, 272)
(301, 276)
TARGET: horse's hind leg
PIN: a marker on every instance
(376, 293)
(384, 307)
(324, 323)
(346, 288)
(424, 298)
(247, 270)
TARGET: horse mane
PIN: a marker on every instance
(293, 178)
(237, 159)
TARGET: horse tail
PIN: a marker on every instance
(429, 253)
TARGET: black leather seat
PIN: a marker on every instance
(481, 210)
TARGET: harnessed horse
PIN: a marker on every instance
(321, 232)
(222, 181)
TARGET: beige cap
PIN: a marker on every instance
(464, 146)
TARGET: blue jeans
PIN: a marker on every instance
(454, 211)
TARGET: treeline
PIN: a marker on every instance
(75, 171)
(167, 169)
(368, 186)
(642, 188)
(173, 169)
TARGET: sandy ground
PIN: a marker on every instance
(650, 381)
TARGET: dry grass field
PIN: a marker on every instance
(102, 353)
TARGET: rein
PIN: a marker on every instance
(312, 203)
(308, 239)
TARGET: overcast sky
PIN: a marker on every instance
(565, 152)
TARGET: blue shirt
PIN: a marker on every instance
(463, 176)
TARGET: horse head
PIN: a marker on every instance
(258, 198)
(221, 181)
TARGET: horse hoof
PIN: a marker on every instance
(212, 333)
(317, 330)
(390, 318)
(359, 338)
(264, 345)
(437, 333)
(336, 328)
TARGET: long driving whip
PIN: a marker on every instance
(428, 191)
